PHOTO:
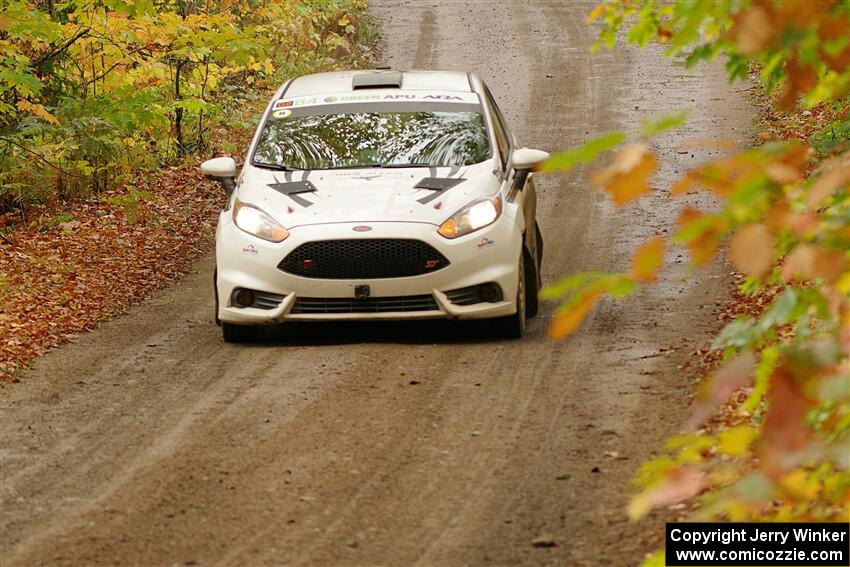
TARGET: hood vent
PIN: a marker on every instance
(377, 80)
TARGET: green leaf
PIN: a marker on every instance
(657, 559)
(761, 377)
(739, 333)
(780, 312)
(583, 153)
(660, 123)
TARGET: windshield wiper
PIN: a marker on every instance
(415, 164)
(384, 166)
(356, 166)
(274, 166)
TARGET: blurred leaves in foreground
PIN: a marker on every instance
(784, 452)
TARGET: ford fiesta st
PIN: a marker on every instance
(378, 195)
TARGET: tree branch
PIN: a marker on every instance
(57, 50)
(42, 158)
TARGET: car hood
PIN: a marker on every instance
(299, 198)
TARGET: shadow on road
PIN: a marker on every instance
(380, 332)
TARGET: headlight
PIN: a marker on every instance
(472, 217)
(254, 221)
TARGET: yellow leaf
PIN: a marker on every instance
(751, 250)
(647, 260)
(639, 507)
(800, 485)
(737, 510)
(735, 441)
(595, 13)
(628, 177)
(568, 319)
(38, 110)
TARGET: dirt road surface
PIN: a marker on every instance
(150, 442)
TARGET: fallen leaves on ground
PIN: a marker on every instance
(63, 274)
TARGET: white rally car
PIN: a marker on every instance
(378, 195)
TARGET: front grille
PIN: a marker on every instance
(360, 259)
(307, 305)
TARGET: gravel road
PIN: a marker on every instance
(151, 442)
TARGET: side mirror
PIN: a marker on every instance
(526, 158)
(223, 170)
(523, 161)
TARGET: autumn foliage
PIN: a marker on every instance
(782, 451)
(92, 91)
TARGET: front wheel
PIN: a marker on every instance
(513, 326)
(532, 285)
(215, 294)
(239, 333)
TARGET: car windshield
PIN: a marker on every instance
(374, 138)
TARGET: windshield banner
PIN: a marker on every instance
(360, 97)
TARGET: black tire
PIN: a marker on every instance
(239, 333)
(532, 288)
(513, 326)
(539, 236)
(215, 293)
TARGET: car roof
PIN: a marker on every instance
(350, 81)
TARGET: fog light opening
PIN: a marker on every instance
(490, 292)
(244, 297)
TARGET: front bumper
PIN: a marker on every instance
(488, 255)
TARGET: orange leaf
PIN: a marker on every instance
(703, 246)
(595, 13)
(800, 78)
(684, 184)
(779, 215)
(807, 261)
(682, 484)
(753, 30)
(735, 374)
(751, 250)
(834, 28)
(568, 318)
(647, 260)
(723, 176)
(802, 223)
(38, 110)
(828, 183)
(785, 431)
(799, 264)
(628, 177)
